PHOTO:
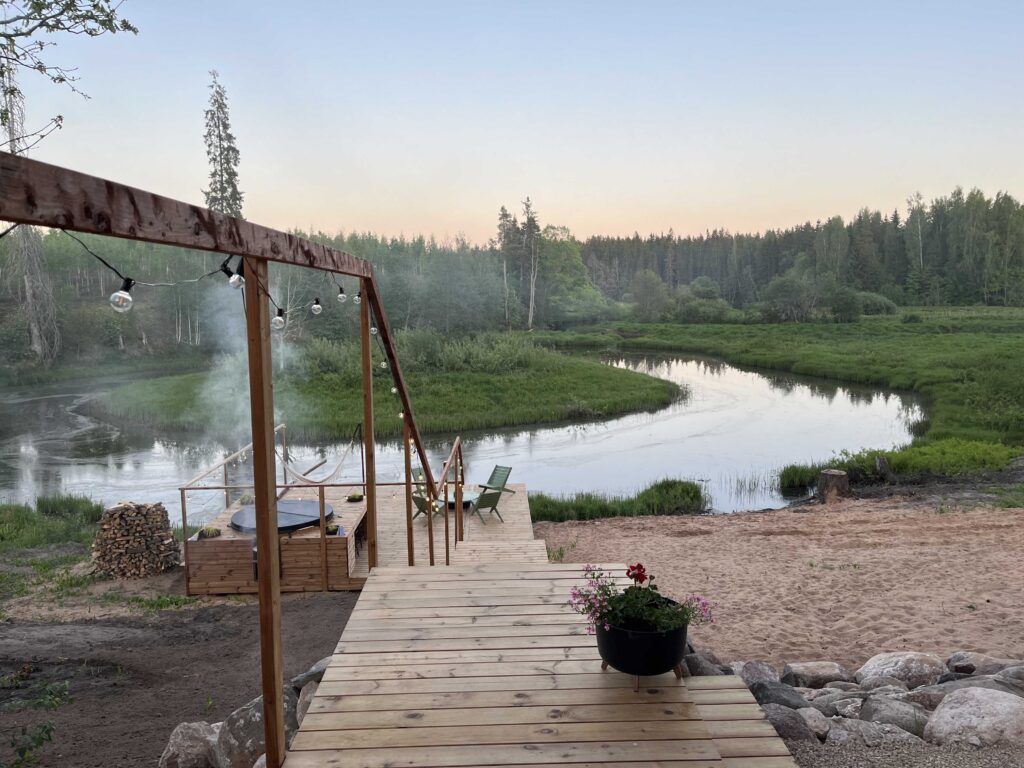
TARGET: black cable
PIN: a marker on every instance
(8, 231)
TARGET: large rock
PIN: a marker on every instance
(788, 723)
(842, 685)
(912, 718)
(817, 722)
(827, 704)
(849, 707)
(778, 693)
(979, 717)
(191, 746)
(312, 675)
(881, 681)
(699, 666)
(971, 663)
(755, 672)
(930, 696)
(911, 668)
(240, 741)
(305, 699)
(861, 732)
(814, 674)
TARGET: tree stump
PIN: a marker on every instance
(832, 483)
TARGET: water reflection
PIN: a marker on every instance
(732, 432)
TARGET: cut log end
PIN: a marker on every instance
(832, 485)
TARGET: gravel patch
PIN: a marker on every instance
(903, 756)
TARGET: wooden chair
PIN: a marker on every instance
(487, 500)
(498, 479)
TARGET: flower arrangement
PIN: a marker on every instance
(638, 607)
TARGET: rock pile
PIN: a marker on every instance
(134, 541)
(238, 741)
(970, 699)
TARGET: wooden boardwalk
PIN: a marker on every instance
(482, 664)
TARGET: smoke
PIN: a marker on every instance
(225, 393)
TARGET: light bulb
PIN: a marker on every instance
(121, 300)
(373, 330)
(277, 322)
(236, 281)
(401, 414)
(316, 309)
(394, 390)
(383, 363)
(358, 298)
(342, 298)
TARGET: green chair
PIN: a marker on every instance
(498, 479)
(422, 506)
(487, 500)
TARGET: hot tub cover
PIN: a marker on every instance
(292, 515)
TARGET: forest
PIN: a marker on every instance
(962, 249)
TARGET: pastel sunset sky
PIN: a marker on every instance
(425, 117)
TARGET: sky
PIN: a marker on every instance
(406, 118)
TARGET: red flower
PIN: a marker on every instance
(637, 573)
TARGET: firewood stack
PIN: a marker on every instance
(134, 541)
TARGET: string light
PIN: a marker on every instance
(237, 280)
(401, 414)
(277, 322)
(358, 299)
(394, 390)
(373, 330)
(384, 364)
(316, 309)
(121, 300)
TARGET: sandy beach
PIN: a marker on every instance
(839, 582)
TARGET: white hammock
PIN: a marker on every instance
(303, 479)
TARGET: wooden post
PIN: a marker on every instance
(447, 551)
(323, 540)
(368, 436)
(459, 522)
(408, 492)
(284, 455)
(257, 322)
(184, 538)
(227, 491)
(430, 525)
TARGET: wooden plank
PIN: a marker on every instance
(507, 698)
(467, 643)
(422, 718)
(768, 746)
(700, 753)
(46, 195)
(758, 762)
(441, 633)
(369, 450)
(491, 683)
(257, 310)
(486, 735)
(408, 658)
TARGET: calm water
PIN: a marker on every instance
(732, 433)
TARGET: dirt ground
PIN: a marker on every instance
(839, 582)
(134, 678)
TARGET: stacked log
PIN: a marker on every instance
(134, 541)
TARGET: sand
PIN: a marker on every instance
(839, 582)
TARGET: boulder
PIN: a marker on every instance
(861, 732)
(849, 708)
(912, 718)
(879, 681)
(971, 663)
(788, 723)
(842, 685)
(952, 676)
(979, 717)
(921, 696)
(817, 722)
(755, 672)
(699, 666)
(778, 693)
(240, 741)
(827, 704)
(814, 674)
(888, 690)
(191, 746)
(708, 655)
(313, 674)
(913, 669)
(305, 699)
(991, 682)
(815, 693)
(1013, 678)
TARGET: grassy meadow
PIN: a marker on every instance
(968, 364)
(666, 497)
(487, 381)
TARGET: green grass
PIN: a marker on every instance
(56, 520)
(666, 497)
(967, 363)
(1012, 496)
(491, 381)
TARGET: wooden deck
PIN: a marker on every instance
(483, 664)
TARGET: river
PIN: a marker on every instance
(732, 432)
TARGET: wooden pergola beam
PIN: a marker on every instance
(46, 195)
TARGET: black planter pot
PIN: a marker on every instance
(642, 653)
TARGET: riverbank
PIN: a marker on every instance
(489, 382)
(966, 362)
(841, 582)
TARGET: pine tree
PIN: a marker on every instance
(223, 194)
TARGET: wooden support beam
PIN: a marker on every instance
(261, 397)
(368, 432)
(46, 195)
(406, 451)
